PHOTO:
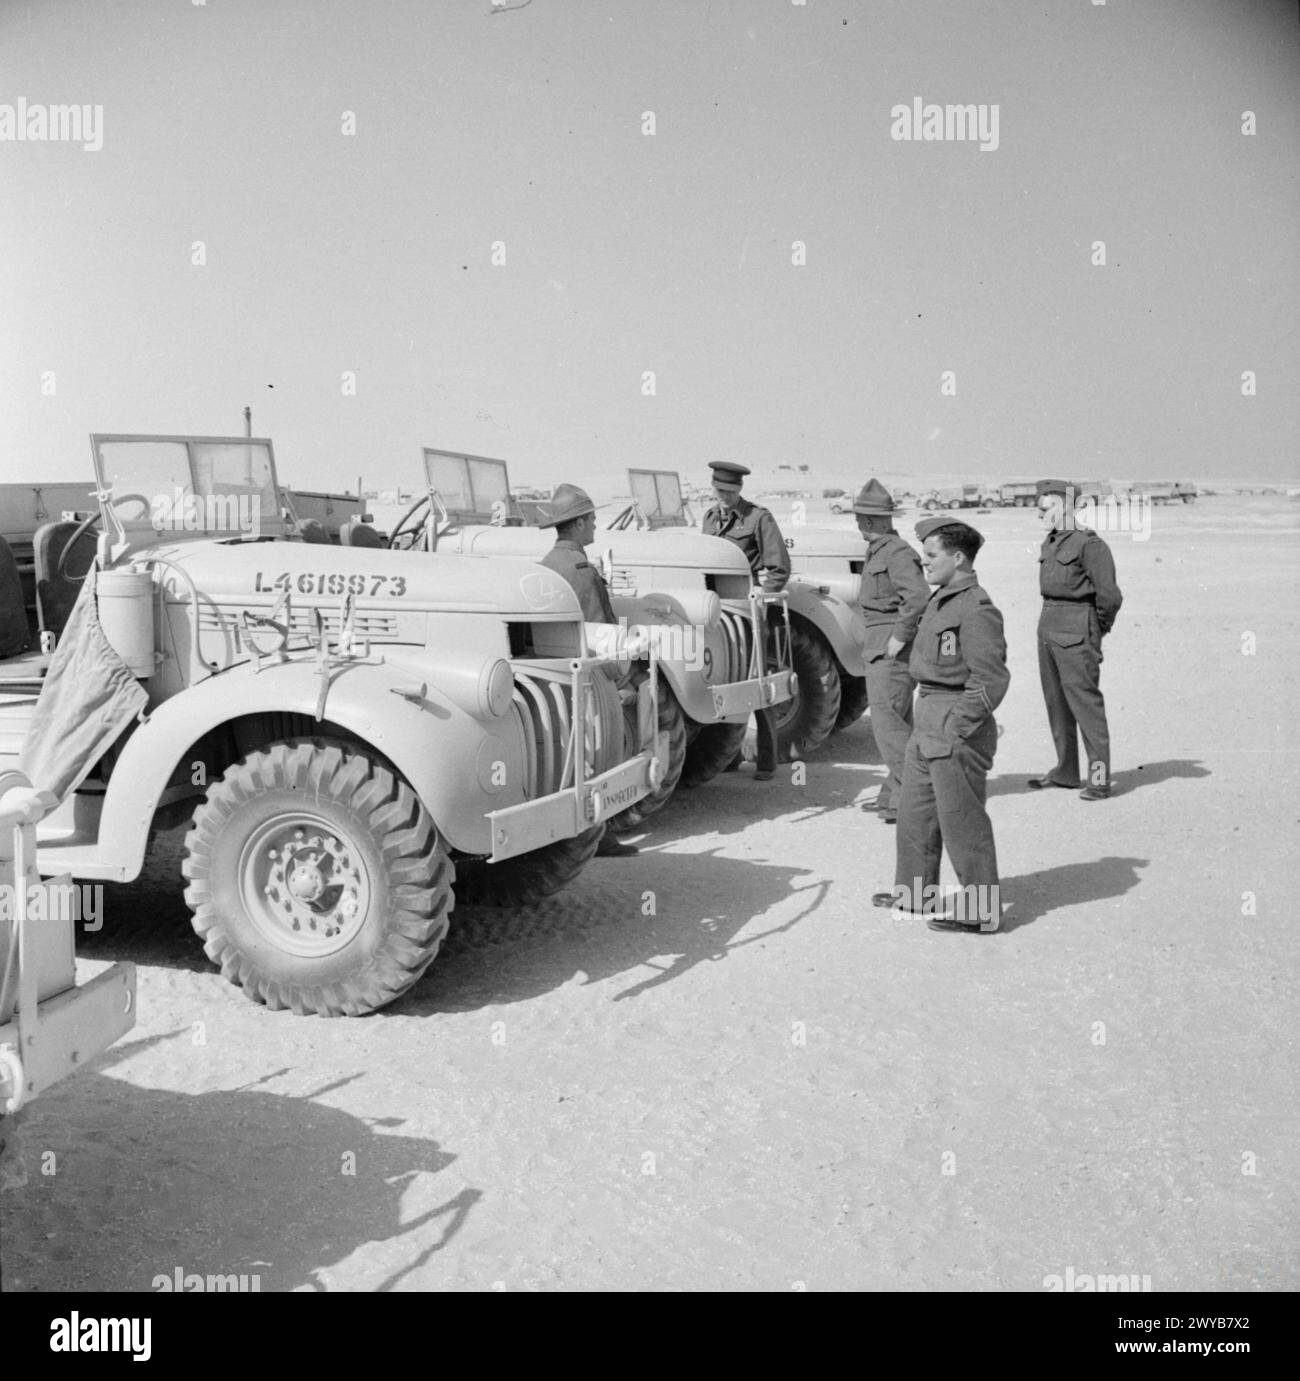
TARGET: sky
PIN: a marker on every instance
(239, 240)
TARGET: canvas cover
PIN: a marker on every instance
(88, 698)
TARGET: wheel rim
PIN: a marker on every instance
(304, 884)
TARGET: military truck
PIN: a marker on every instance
(954, 496)
(693, 592)
(49, 1026)
(353, 739)
(1018, 494)
(825, 625)
(1164, 491)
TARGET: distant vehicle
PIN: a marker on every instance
(954, 496)
(1165, 491)
(832, 493)
(1018, 494)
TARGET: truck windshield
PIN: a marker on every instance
(188, 487)
(472, 488)
(658, 494)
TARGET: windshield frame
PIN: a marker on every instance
(132, 530)
(478, 514)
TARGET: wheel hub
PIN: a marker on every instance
(304, 884)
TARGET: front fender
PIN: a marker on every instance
(839, 622)
(689, 653)
(446, 755)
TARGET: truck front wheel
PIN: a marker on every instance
(853, 701)
(804, 721)
(531, 877)
(713, 749)
(317, 879)
(672, 725)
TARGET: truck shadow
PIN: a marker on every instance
(242, 1182)
(650, 919)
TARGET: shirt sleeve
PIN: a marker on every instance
(1099, 564)
(773, 558)
(985, 651)
(905, 572)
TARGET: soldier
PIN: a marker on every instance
(892, 594)
(959, 661)
(1076, 575)
(573, 516)
(755, 532)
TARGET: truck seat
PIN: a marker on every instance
(15, 634)
(56, 593)
(312, 531)
(355, 533)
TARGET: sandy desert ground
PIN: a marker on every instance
(767, 1084)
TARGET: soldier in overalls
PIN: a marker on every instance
(959, 662)
(754, 530)
(892, 594)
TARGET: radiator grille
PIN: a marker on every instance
(738, 642)
(544, 711)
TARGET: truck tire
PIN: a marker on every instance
(672, 722)
(804, 721)
(529, 878)
(853, 701)
(317, 879)
(713, 749)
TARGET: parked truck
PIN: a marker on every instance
(826, 630)
(353, 739)
(693, 592)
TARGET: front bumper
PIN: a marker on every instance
(534, 824)
(761, 693)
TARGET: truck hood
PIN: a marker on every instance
(225, 571)
(668, 548)
(849, 543)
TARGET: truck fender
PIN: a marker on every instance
(446, 755)
(839, 623)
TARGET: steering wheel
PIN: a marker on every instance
(84, 526)
(406, 519)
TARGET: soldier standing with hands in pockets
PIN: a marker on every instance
(959, 660)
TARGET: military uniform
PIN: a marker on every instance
(755, 531)
(568, 559)
(1080, 602)
(892, 594)
(959, 661)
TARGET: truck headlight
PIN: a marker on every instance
(496, 688)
